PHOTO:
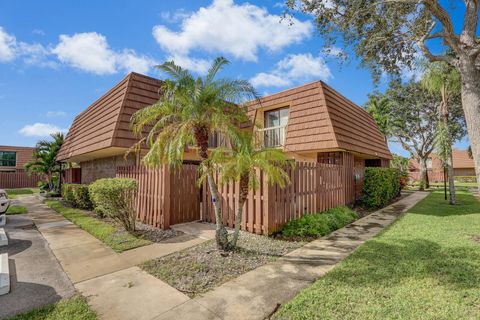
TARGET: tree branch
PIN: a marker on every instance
(444, 18)
(427, 53)
(470, 23)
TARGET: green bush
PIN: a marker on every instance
(470, 179)
(77, 195)
(319, 224)
(114, 197)
(380, 186)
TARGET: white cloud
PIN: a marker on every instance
(294, 68)
(175, 16)
(198, 65)
(90, 52)
(53, 114)
(8, 45)
(227, 28)
(40, 130)
(38, 32)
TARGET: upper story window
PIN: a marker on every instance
(274, 127)
(8, 159)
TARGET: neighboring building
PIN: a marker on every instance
(13, 159)
(311, 123)
(12, 171)
(462, 166)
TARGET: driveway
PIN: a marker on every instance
(36, 277)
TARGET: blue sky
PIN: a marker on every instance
(57, 57)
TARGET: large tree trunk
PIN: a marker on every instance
(221, 234)
(423, 173)
(244, 180)
(471, 108)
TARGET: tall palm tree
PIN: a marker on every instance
(189, 111)
(378, 108)
(45, 159)
(240, 164)
(440, 78)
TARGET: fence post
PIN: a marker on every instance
(268, 206)
(166, 197)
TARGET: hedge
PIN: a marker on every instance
(380, 186)
(319, 224)
(465, 179)
(114, 197)
(77, 195)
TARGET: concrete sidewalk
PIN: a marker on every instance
(258, 293)
(113, 284)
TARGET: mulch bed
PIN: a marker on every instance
(201, 268)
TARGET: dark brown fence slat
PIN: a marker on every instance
(18, 179)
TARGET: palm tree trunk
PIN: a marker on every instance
(244, 180)
(451, 180)
(221, 234)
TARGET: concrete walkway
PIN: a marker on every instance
(37, 279)
(115, 287)
(258, 293)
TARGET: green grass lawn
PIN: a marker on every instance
(16, 210)
(106, 232)
(425, 266)
(75, 308)
(14, 193)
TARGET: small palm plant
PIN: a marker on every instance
(240, 163)
(45, 160)
(189, 111)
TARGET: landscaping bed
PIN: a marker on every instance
(424, 266)
(14, 193)
(201, 268)
(75, 308)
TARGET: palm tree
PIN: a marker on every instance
(188, 112)
(440, 78)
(45, 160)
(240, 164)
(378, 108)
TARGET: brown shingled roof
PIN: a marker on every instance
(105, 124)
(321, 118)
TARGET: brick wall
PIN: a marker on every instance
(104, 167)
(24, 155)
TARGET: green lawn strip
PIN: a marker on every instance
(425, 266)
(75, 308)
(16, 210)
(118, 240)
(14, 193)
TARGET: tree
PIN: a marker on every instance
(389, 35)
(378, 109)
(443, 80)
(413, 118)
(400, 163)
(240, 164)
(188, 112)
(45, 160)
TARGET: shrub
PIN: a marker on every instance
(380, 186)
(114, 198)
(319, 224)
(465, 179)
(77, 195)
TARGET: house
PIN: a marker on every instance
(12, 171)
(330, 137)
(311, 123)
(13, 159)
(463, 166)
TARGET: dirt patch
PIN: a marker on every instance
(154, 234)
(201, 268)
(476, 238)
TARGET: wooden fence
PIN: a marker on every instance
(18, 179)
(165, 197)
(314, 187)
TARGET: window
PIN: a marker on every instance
(429, 164)
(8, 159)
(275, 123)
